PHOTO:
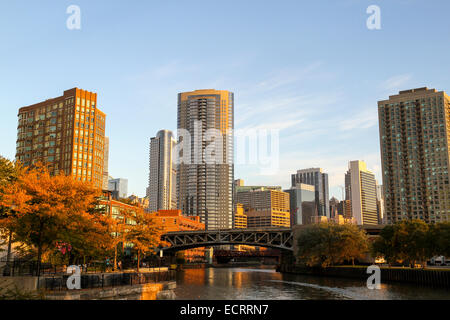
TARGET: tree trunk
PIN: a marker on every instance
(39, 256)
(115, 257)
(139, 260)
(39, 259)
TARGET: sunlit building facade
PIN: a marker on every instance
(362, 193)
(265, 208)
(66, 133)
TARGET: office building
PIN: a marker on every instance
(319, 179)
(162, 177)
(414, 140)
(265, 208)
(362, 193)
(204, 188)
(240, 218)
(66, 133)
(302, 204)
(118, 188)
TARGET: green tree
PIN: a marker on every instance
(413, 239)
(386, 245)
(439, 239)
(327, 244)
(410, 241)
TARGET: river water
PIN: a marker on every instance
(267, 284)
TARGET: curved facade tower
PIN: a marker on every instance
(205, 187)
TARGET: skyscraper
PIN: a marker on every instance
(205, 187)
(360, 186)
(414, 141)
(66, 133)
(319, 179)
(162, 177)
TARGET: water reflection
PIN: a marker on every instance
(263, 284)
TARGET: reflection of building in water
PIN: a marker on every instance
(237, 280)
(195, 276)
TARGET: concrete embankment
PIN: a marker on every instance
(151, 284)
(424, 277)
(148, 291)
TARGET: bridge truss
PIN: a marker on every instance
(270, 238)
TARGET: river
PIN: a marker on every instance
(267, 284)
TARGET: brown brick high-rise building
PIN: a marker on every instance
(415, 142)
(66, 133)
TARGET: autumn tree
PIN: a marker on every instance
(119, 224)
(144, 234)
(51, 209)
(9, 173)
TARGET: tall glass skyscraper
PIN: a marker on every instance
(302, 203)
(319, 179)
(205, 187)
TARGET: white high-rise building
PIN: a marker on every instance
(360, 186)
(162, 178)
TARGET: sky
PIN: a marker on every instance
(312, 70)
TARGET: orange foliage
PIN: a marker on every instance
(48, 209)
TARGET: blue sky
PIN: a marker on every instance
(311, 69)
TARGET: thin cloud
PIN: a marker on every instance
(397, 82)
(364, 120)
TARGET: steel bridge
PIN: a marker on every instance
(276, 238)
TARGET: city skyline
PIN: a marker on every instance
(324, 95)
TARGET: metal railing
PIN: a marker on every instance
(20, 267)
